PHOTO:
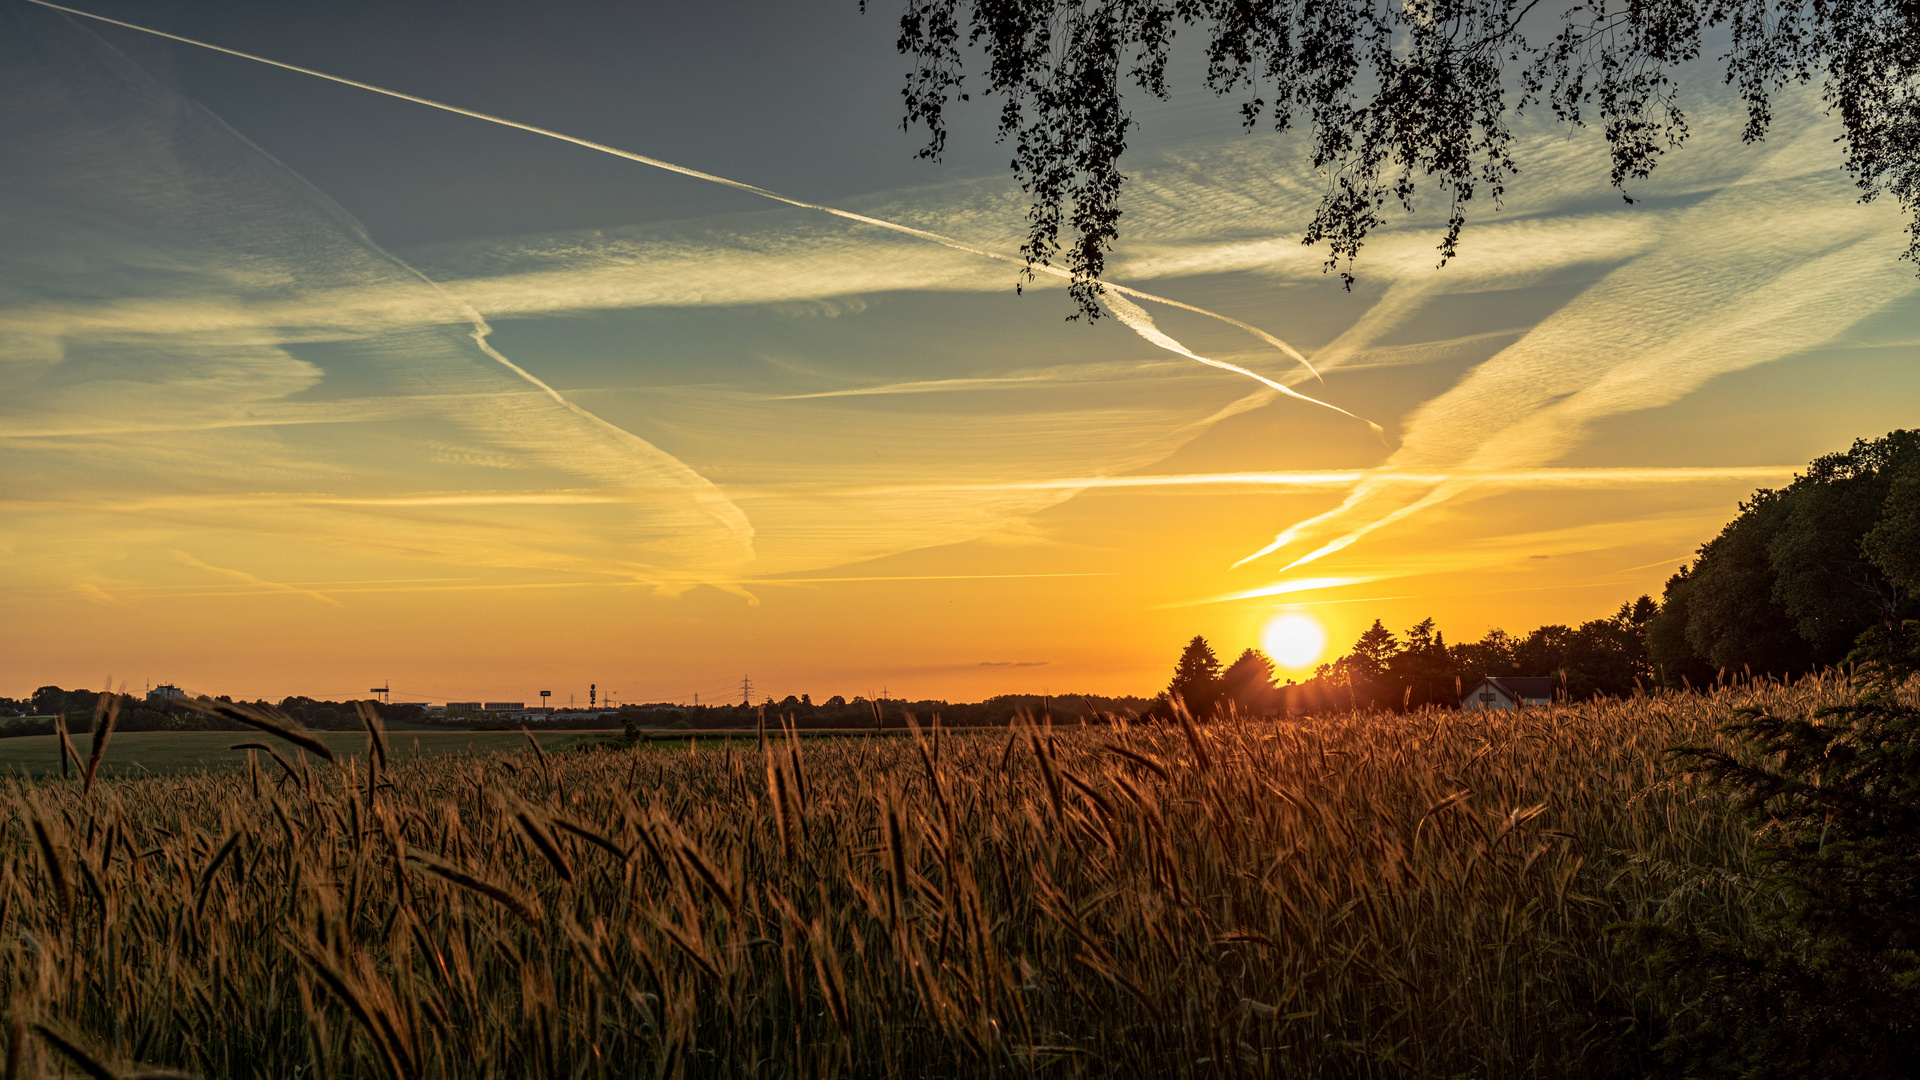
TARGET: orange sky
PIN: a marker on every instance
(261, 441)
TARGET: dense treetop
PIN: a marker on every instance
(1397, 95)
(1817, 573)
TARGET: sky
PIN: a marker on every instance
(305, 389)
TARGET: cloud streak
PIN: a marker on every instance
(1493, 552)
(160, 283)
(1135, 319)
(1775, 264)
(249, 579)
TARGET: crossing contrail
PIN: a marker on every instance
(1137, 320)
(705, 493)
(1155, 337)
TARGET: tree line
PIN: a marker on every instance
(1420, 669)
(838, 712)
(1821, 573)
(39, 713)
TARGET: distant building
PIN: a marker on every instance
(166, 692)
(505, 706)
(463, 706)
(1516, 692)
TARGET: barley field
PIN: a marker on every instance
(1429, 894)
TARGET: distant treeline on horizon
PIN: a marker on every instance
(35, 715)
(1821, 573)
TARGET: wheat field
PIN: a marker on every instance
(1428, 894)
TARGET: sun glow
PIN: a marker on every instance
(1294, 640)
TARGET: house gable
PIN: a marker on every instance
(1509, 692)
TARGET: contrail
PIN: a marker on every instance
(1141, 323)
(945, 241)
(1319, 478)
(248, 579)
(1432, 498)
(716, 505)
(263, 586)
(1285, 587)
(1284, 480)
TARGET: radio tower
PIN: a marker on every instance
(746, 692)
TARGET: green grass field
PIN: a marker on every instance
(168, 753)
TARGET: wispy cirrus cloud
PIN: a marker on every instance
(161, 276)
(1128, 313)
(1310, 479)
(1016, 380)
(1779, 262)
(1509, 550)
(259, 582)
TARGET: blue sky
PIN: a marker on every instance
(306, 385)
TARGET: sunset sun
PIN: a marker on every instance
(1294, 640)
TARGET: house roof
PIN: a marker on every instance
(1522, 687)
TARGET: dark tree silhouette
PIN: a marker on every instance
(1893, 544)
(1196, 678)
(1826, 974)
(1360, 678)
(1608, 656)
(1600, 656)
(1397, 94)
(1422, 668)
(1675, 663)
(1374, 650)
(1248, 683)
(1809, 575)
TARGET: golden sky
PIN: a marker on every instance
(260, 439)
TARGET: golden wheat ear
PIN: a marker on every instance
(376, 731)
(104, 715)
(67, 755)
(283, 727)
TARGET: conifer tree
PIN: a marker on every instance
(1248, 683)
(1196, 678)
(1373, 651)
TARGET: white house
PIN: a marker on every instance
(1509, 693)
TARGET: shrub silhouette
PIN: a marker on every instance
(1825, 980)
